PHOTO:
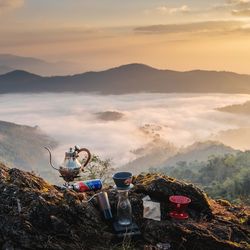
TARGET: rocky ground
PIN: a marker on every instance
(36, 215)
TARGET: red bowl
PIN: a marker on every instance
(179, 199)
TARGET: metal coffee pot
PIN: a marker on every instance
(71, 167)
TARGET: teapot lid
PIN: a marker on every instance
(71, 153)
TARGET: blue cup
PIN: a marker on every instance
(122, 180)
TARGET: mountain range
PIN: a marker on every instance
(131, 78)
(10, 62)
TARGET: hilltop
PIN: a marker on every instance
(242, 109)
(160, 155)
(48, 217)
(131, 78)
(199, 151)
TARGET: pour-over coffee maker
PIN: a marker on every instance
(124, 225)
(179, 204)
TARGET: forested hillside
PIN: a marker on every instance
(22, 146)
(226, 177)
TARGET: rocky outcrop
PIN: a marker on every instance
(36, 215)
(160, 188)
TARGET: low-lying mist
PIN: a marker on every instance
(116, 126)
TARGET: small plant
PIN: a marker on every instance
(98, 169)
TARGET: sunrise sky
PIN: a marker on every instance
(98, 34)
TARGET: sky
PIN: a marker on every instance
(99, 34)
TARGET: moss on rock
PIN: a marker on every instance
(36, 215)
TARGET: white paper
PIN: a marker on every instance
(151, 209)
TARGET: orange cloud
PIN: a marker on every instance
(10, 4)
(198, 27)
(244, 12)
(168, 10)
(237, 7)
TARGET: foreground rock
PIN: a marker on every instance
(36, 215)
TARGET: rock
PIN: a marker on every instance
(110, 115)
(161, 187)
(224, 203)
(36, 215)
(49, 219)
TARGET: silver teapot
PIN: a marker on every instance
(71, 167)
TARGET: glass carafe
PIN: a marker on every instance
(124, 209)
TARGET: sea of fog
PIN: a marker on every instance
(181, 119)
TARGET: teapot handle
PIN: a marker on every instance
(88, 155)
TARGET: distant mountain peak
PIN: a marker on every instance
(37, 65)
(208, 145)
(20, 73)
(137, 65)
(134, 66)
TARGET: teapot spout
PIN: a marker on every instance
(50, 159)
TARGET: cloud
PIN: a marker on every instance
(10, 4)
(236, 7)
(168, 10)
(240, 7)
(198, 27)
(241, 3)
(233, 4)
(182, 119)
(245, 12)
